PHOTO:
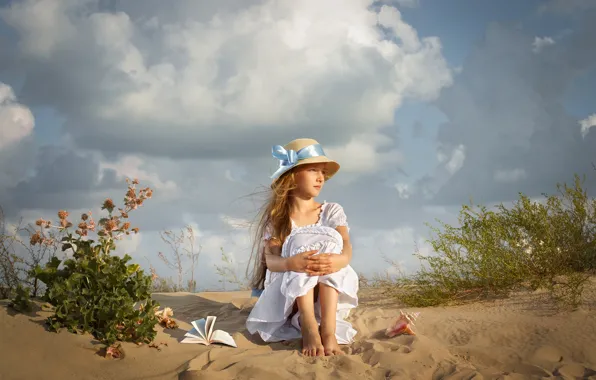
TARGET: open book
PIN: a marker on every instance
(202, 333)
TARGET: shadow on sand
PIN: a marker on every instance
(231, 317)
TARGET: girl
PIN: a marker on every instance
(302, 257)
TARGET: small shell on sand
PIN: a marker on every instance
(403, 324)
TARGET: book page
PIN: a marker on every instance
(193, 333)
(209, 327)
(223, 337)
(199, 326)
(190, 340)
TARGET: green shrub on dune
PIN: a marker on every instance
(533, 245)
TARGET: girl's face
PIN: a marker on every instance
(310, 179)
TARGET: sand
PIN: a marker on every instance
(518, 338)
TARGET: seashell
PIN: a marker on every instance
(403, 324)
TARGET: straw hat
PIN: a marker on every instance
(299, 152)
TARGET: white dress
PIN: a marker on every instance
(270, 315)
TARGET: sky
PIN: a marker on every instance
(426, 104)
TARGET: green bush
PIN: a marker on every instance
(533, 245)
(94, 291)
(21, 301)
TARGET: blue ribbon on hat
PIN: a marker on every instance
(289, 158)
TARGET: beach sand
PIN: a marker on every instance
(522, 337)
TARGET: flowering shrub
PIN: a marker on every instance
(95, 291)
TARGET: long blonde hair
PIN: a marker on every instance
(274, 217)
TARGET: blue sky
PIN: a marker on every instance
(190, 99)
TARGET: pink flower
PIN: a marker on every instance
(35, 238)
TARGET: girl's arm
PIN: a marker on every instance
(327, 263)
(276, 263)
(273, 259)
(346, 253)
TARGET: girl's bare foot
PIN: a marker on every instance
(330, 343)
(311, 340)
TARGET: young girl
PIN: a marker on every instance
(303, 251)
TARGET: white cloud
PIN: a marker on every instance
(130, 245)
(403, 190)
(512, 175)
(234, 239)
(130, 167)
(437, 210)
(360, 154)
(541, 42)
(17, 145)
(16, 120)
(399, 236)
(236, 223)
(44, 25)
(185, 85)
(235, 243)
(458, 156)
(374, 247)
(228, 175)
(587, 123)
(401, 3)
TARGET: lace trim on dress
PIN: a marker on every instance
(314, 229)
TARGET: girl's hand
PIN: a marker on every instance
(325, 263)
(300, 262)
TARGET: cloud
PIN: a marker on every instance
(207, 82)
(17, 145)
(62, 178)
(401, 3)
(587, 123)
(366, 153)
(509, 116)
(458, 156)
(130, 166)
(16, 120)
(378, 250)
(403, 190)
(177, 97)
(512, 175)
(130, 245)
(208, 244)
(541, 42)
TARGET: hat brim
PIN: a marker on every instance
(332, 166)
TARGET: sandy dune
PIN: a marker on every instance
(517, 338)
